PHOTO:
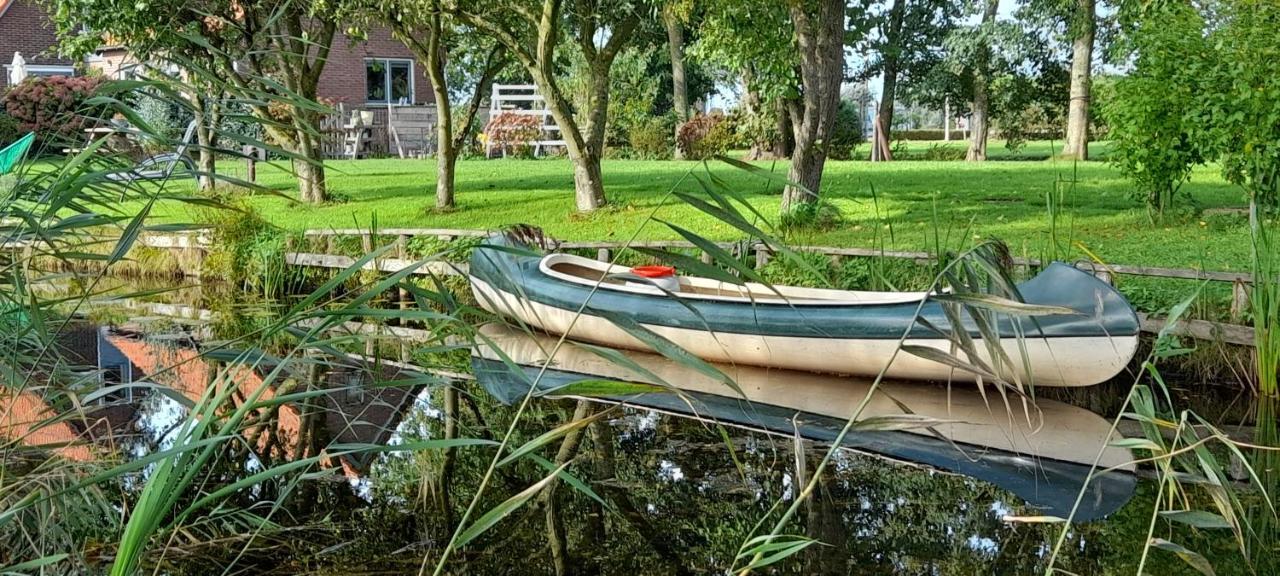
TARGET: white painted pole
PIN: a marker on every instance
(946, 119)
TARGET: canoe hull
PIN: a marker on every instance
(1061, 361)
(854, 333)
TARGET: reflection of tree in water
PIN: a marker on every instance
(681, 505)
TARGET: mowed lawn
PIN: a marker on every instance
(912, 199)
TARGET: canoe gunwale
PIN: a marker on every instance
(761, 294)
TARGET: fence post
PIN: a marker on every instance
(250, 163)
(763, 254)
(604, 255)
(1239, 299)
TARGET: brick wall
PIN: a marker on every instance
(343, 78)
(26, 27)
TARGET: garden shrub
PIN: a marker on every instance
(166, 117)
(820, 215)
(930, 134)
(704, 136)
(53, 107)
(940, 152)
(757, 130)
(848, 132)
(652, 139)
(9, 129)
(514, 134)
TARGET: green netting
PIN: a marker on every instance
(13, 154)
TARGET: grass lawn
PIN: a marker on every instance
(993, 199)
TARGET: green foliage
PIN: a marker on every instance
(820, 215)
(653, 138)
(249, 252)
(1237, 114)
(1149, 121)
(9, 128)
(164, 116)
(848, 132)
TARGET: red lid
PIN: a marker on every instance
(654, 271)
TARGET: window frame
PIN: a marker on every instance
(386, 81)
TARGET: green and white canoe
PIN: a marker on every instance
(820, 330)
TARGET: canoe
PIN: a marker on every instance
(1043, 453)
(820, 330)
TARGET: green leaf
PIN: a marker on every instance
(548, 436)
(772, 551)
(1006, 305)
(1197, 518)
(1192, 559)
(599, 387)
(497, 513)
(33, 564)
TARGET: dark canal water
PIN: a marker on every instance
(671, 483)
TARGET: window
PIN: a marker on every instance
(388, 81)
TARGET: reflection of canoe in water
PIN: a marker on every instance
(836, 331)
(1042, 457)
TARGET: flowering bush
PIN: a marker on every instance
(704, 136)
(512, 133)
(53, 107)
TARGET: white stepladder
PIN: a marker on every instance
(524, 99)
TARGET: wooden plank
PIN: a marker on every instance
(399, 232)
(382, 265)
(919, 256)
(1201, 330)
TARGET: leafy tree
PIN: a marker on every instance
(907, 46)
(981, 73)
(532, 32)
(1074, 23)
(261, 52)
(455, 60)
(1149, 117)
(1236, 79)
(792, 51)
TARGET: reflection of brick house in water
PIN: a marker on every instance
(355, 412)
(26, 415)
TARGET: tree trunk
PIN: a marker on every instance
(588, 184)
(679, 87)
(786, 143)
(891, 57)
(821, 45)
(981, 98)
(310, 169)
(446, 153)
(1077, 137)
(206, 122)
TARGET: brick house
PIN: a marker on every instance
(25, 27)
(374, 72)
(371, 73)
